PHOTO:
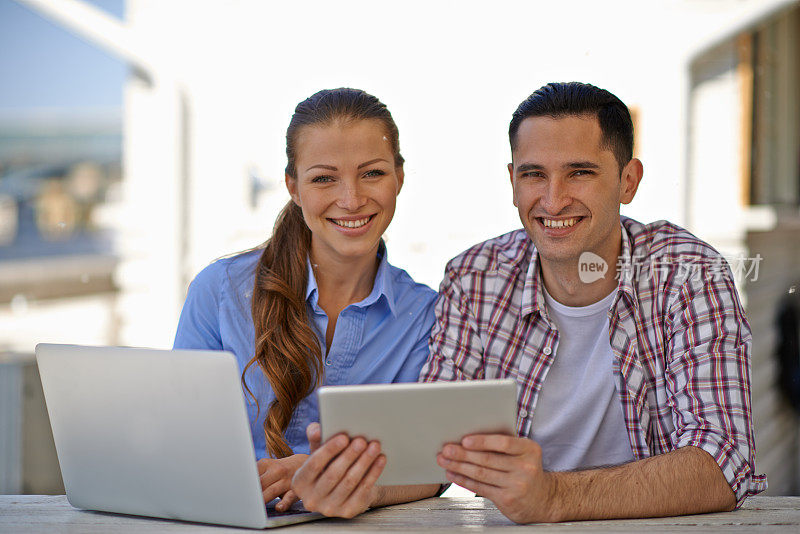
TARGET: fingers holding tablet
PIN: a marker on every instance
(314, 434)
(338, 479)
(356, 490)
(505, 469)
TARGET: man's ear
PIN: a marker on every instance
(291, 186)
(511, 177)
(630, 178)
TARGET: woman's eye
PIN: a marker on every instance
(373, 173)
(321, 179)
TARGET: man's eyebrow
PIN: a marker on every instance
(370, 162)
(524, 167)
(321, 166)
(581, 165)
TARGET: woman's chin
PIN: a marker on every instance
(347, 250)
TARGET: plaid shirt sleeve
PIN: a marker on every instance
(707, 375)
(456, 349)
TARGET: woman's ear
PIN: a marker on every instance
(291, 186)
(401, 175)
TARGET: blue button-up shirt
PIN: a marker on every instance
(383, 338)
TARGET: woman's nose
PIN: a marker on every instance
(351, 197)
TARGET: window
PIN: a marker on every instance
(774, 55)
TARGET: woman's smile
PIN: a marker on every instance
(352, 223)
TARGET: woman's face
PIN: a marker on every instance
(346, 185)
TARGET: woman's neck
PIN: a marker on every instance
(343, 281)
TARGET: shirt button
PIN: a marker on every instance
(328, 361)
(547, 351)
(523, 413)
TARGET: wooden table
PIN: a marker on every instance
(52, 515)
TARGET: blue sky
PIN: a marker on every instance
(44, 66)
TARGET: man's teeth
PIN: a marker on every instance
(563, 223)
(352, 224)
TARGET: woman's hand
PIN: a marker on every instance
(338, 479)
(276, 479)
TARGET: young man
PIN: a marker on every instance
(628, 341)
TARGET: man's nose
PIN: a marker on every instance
(351, 196)
(556, 197)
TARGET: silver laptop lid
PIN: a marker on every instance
(151, 432)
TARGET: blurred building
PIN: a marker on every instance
(744, 195)
(716, 112)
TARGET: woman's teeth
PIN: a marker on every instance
(352, 224)
(564, 223)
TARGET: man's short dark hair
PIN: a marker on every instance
(558, 100)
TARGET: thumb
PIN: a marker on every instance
(314, 434)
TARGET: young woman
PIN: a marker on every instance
(319, 304)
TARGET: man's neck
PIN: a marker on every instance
(564, 284)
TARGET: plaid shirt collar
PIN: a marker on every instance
(533, 292)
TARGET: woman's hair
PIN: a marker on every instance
(286, 348)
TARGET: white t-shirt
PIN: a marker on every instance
(578, 418)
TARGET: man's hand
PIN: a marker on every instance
(506, 470)
(276, 478)
(338, 479)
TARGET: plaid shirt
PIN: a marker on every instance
(678, 332)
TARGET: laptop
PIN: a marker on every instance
(157, 433)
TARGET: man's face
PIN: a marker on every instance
(568, 188)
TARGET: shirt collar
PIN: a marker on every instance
(627, 271)
(533, 295)
(382, 287)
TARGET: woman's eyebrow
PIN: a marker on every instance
(370, 162)
(333, 168)
(321, 166)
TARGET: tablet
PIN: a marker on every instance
(413, 421)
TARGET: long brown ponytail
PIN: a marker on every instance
(286, 348)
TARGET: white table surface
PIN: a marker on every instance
(53, 514)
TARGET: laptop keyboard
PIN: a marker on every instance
(272, 512)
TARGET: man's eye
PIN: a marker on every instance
(583, 172)
(373, 173)
(531, 174)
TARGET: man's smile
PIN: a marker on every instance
(558, 227)
(558, 223)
